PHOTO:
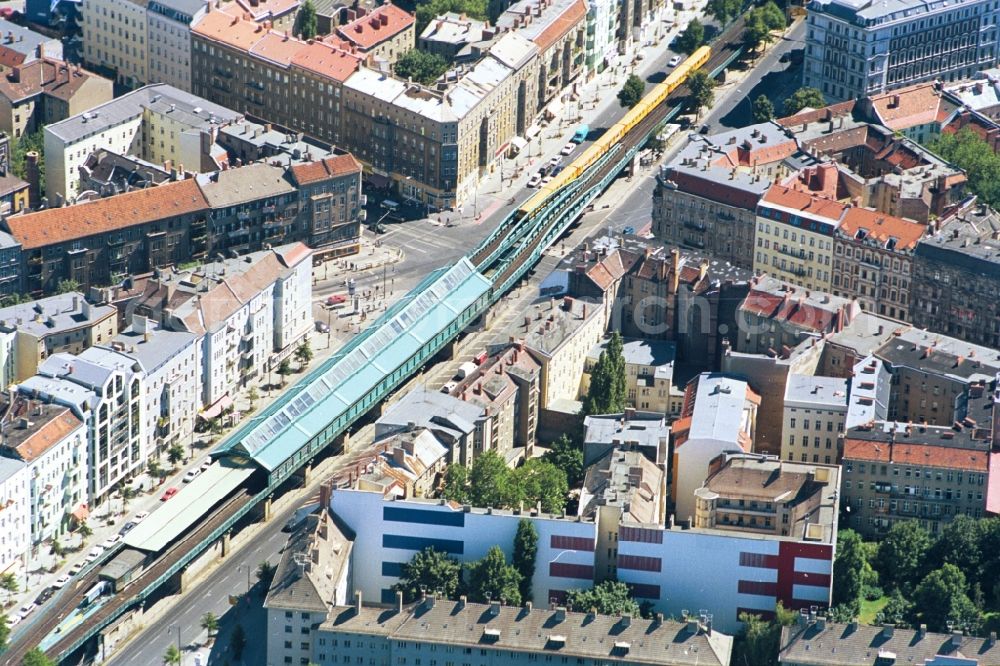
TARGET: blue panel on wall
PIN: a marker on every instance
(392, 569)
(424, 517)
(388, 596)
(419, 543)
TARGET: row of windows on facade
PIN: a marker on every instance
(920, 491)
(916, 472)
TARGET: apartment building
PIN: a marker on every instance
(815, 640)
(20, 45)
(956, 272)
(410, 464)
(51, 442)
(706, 197)
(115, 34)
(44, 91)
(491, 633)
(235, 210)
(815, 409)
(854, 49)
(385, 33)
(464, 427)
(794, 239)
(766, 495)
(602, 34)
(649, 375)
(169, 40)
(31, 332)
(645, 432)
(451, 34)
(104, 389)
(157, 123)
(719, 415)
(248, 313)
(873, 261)
(560, 335)
(15, 519)
(278, 14)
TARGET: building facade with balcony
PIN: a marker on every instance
(169, 40)
(856, 49)
(15, 516)
(51, 441)
(815, 408)
(115, 34)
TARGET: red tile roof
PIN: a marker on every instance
(57, 225)
(47, 436)
(813, 115)
(881, 227)
(908, 107)
(10, 57)
(326, 60)
(905, 453)
(812, 205)
(277, 48)
(382, 23)
(266, 8)
(792, 307)
(563, 24)
(331, 167)
(229, 29)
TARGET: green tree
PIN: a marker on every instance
(154, 469)
(762, 110)
(849, 570)
(172, 657)
(175, 453)
(982, 166)
(692, 37)
(803, 98)
(430, 570)
(304, 354)
(607, 393)
(238, 641)
(34, 142)
(525, 553)
(539, 482)
(421, 66)
(940, 598)
(902, 556)
(491, 578)
(723, 10)
(8, 583)
(702, 87)
(898, 610)
(611, 597)
(958, 544)
(129, 493)
(284, 369)
(456, 484)
(773, 16)
(66, 286)
(758, 642)
(489, 481)
(85, 531)
(567, 456)
(210, 624)
(4, 633)
(253, 395)
(265, 573)
(631, 92)
(429, 10)
(36, 658)
(306, 20)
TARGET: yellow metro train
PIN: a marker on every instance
(617, 132)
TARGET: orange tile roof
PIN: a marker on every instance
(787, 197)
(566, 22)
(47, 436)
(382, 23)
(908, 107)
(267, 8)
(903, 453)
(228, 29)
(277, 48)
(882, 227)
(326, 60)
(331, 167)
(10, 57)
(57, 225)
(812, 115)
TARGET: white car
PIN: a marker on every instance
(111, 541)
(205, 465)
(535, 179)
(26, 610)
(547, 180)
(76, 568)
(191, 475)
(554, 162)
(568, 148)
(139, 517)
(13, 619)
(61, 581)
(676, 60)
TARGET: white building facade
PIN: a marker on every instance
(114, 39)
(15, 514)
(169, 40)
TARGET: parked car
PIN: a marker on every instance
(126, 528)
(44, 595)
(554, 162)
(191, 475)
(139, 517)
(13, 619)
(76, 568)
(111, 541)
(27, 609)
(568, 148)
(557, 170)
(628, 230)
(535, 179)
(673, 62)
(336, 299)
(95, 552)
(547, 179)
(449, 387)
(61, 581)
(322, 327)
(205, 464)
(170, 492)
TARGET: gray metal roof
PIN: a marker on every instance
(718, 408)
(9, 467)
(433, 410)
(816, 391)
(155, 347)
(22, 40)
(53, 315)
(248, 183)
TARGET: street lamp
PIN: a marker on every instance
(178, 628)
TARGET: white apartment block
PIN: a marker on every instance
(104, 388)
(52, 443)
(169, 40)
(114, 39)
(814, 411)
(15, 512)
(602, 34)
(856, 48)
(157, 123)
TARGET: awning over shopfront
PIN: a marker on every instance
(533, 131)
(81, 513)
(377, 180)
(518, 144)
(221, 405)
(554, 109)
